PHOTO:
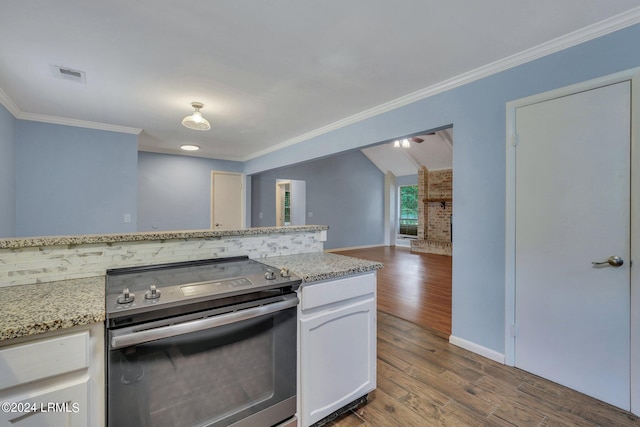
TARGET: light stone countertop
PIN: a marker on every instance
(39, 308)
(81, 239)
(317, 266)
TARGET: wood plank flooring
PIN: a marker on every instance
(412, 286)
(422, 380)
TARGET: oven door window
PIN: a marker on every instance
(213, 377)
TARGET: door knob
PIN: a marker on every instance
(614, 261)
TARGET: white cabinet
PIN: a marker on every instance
(54, 380)
(337, 357)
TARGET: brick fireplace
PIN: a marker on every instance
(435, 193)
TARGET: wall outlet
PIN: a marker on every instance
(127, 218)
(310, 214)
(260, 215)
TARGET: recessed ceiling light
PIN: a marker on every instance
(189, 147)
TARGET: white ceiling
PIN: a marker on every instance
(269, 72)
(434, 152)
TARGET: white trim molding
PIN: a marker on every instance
(11, 106)
(352, 248)
(477, 349)
(8, 103)
(590, 32)
(78, 123)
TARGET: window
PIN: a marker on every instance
(408, 217)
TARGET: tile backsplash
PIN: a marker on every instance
(29, 265)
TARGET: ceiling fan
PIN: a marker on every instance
(405, 142)
(419, 139)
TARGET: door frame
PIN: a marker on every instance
(510, 237)
(243, 197)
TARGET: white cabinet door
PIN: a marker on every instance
(337, 357)
(54, 380)
(64, 405)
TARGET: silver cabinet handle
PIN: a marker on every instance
(614, 261)
(144, 336)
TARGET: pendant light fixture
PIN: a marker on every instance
(196, 121)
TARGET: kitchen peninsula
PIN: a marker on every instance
(53, 287)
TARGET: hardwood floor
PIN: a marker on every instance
(412, 286)
(422, 380)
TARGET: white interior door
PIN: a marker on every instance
(572, 207)
(226, 201)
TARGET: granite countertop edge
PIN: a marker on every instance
(75, 302)
(59, 305)
(26, 242)
(318, 266)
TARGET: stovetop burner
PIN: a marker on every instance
(141, 293)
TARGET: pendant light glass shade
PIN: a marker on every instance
(196, 121)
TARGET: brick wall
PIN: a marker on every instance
(439, 212)
(435, 190)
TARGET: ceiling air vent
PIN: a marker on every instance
(69, 74)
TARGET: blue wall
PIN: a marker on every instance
(72, 180)
(175, 191)
(345, 192)
(478, 113)
(7, 174)
(477, 110)
(62, 180)
(407, 180)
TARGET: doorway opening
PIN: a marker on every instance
(291, 202)
(418, 172)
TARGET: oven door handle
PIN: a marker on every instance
(149, 335)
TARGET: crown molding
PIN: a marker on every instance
(11, 106)
(590, 32)
(177, 152)
(614, 23)
(78, 123)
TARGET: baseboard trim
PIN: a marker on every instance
(352, 248)
(477, 349)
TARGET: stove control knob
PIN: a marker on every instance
(284, 272)
(270, 275)
(126, 297)
(152, 293)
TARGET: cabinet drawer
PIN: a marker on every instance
(65, 404)
(44, 358)
(323, 293)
